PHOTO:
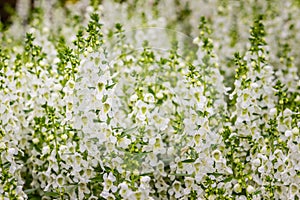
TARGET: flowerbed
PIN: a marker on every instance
(173, 100)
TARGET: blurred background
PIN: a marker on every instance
(228, 18)
(8, 8)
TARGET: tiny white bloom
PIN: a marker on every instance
(2, 145)
(12, 151)
(133, 98)
(288, 133)
(237, 188)
(273, 111)
(250, 189)
(159, 95)
(35, 140)
(149, 98)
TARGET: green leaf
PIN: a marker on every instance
(104, 98)
(110, 86)
(257, 192)
(181, 174)
(226, 180)
(130, 129)
(52, 194)
(188, 161)
(26, 111)
(147, 174)
(30, 191)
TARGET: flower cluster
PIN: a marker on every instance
(168, 100)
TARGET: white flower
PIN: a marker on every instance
(288, 133)
(109, 179)
(145, 179)
(159, 95)
(176, 186)
(196, 40)
(189, 182)
(124, 142)
(12, 151)
(273, 111)
(250, 189)
(157, 144)
(113, 139)
(294, 189)
(64, 136)
(256, 162)
(237, 188)
(143, 110)
(10, 154)
(60, 179)
(133, 98)
(12, 168)
(149, 98)
(217, 155)
(35, 140)
(295, 130)
(160, 168)
(125, 192)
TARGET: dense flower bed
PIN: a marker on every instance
(151, 100)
